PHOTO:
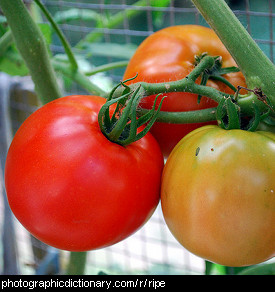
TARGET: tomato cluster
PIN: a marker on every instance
(74, 189)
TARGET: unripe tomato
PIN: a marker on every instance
(169, 55)
(218, 195)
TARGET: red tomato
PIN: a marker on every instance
(70, 186)
(169, 55)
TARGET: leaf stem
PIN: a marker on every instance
(107, 67)
(60, 34)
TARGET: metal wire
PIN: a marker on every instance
(151, 250)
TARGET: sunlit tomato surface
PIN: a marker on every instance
(169, 55)
(70, 186)
(218, 195)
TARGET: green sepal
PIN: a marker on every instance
(228, 114)
(122, 127)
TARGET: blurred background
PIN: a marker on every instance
(102, 32)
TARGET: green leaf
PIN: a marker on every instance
(13, 65)
(264, 269)
(124, 51)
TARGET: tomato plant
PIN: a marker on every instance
(70, 186)
(218, 195)
(169, 55)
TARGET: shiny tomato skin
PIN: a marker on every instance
(218, 195)
(70, 186)
(169, 55)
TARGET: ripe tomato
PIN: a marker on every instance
(169, 55)
(70, 186)
(218, 195)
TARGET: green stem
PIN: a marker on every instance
(258, 70)
(60, 34)
(78, 77)
(31, 45)
(186, 84)
(198, 116)
(107, 67)
(77, 263)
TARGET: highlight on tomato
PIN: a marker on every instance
(73, 188)
(218, 195)
(169, 55)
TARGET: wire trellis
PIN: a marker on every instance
(152, 249)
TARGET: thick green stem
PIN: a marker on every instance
(31, 44)
(258, 70)
(77, 263)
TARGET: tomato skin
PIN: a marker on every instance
(218, 195)
(70, 186)
(169, 55)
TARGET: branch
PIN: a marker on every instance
(32, 46)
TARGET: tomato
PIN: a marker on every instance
(169, 55)
(218, 195)
(70, 186)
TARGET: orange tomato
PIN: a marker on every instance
(169, 55)
(218, 195)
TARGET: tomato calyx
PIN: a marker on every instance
(229, 115)
(122, 125)
(215, 72)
